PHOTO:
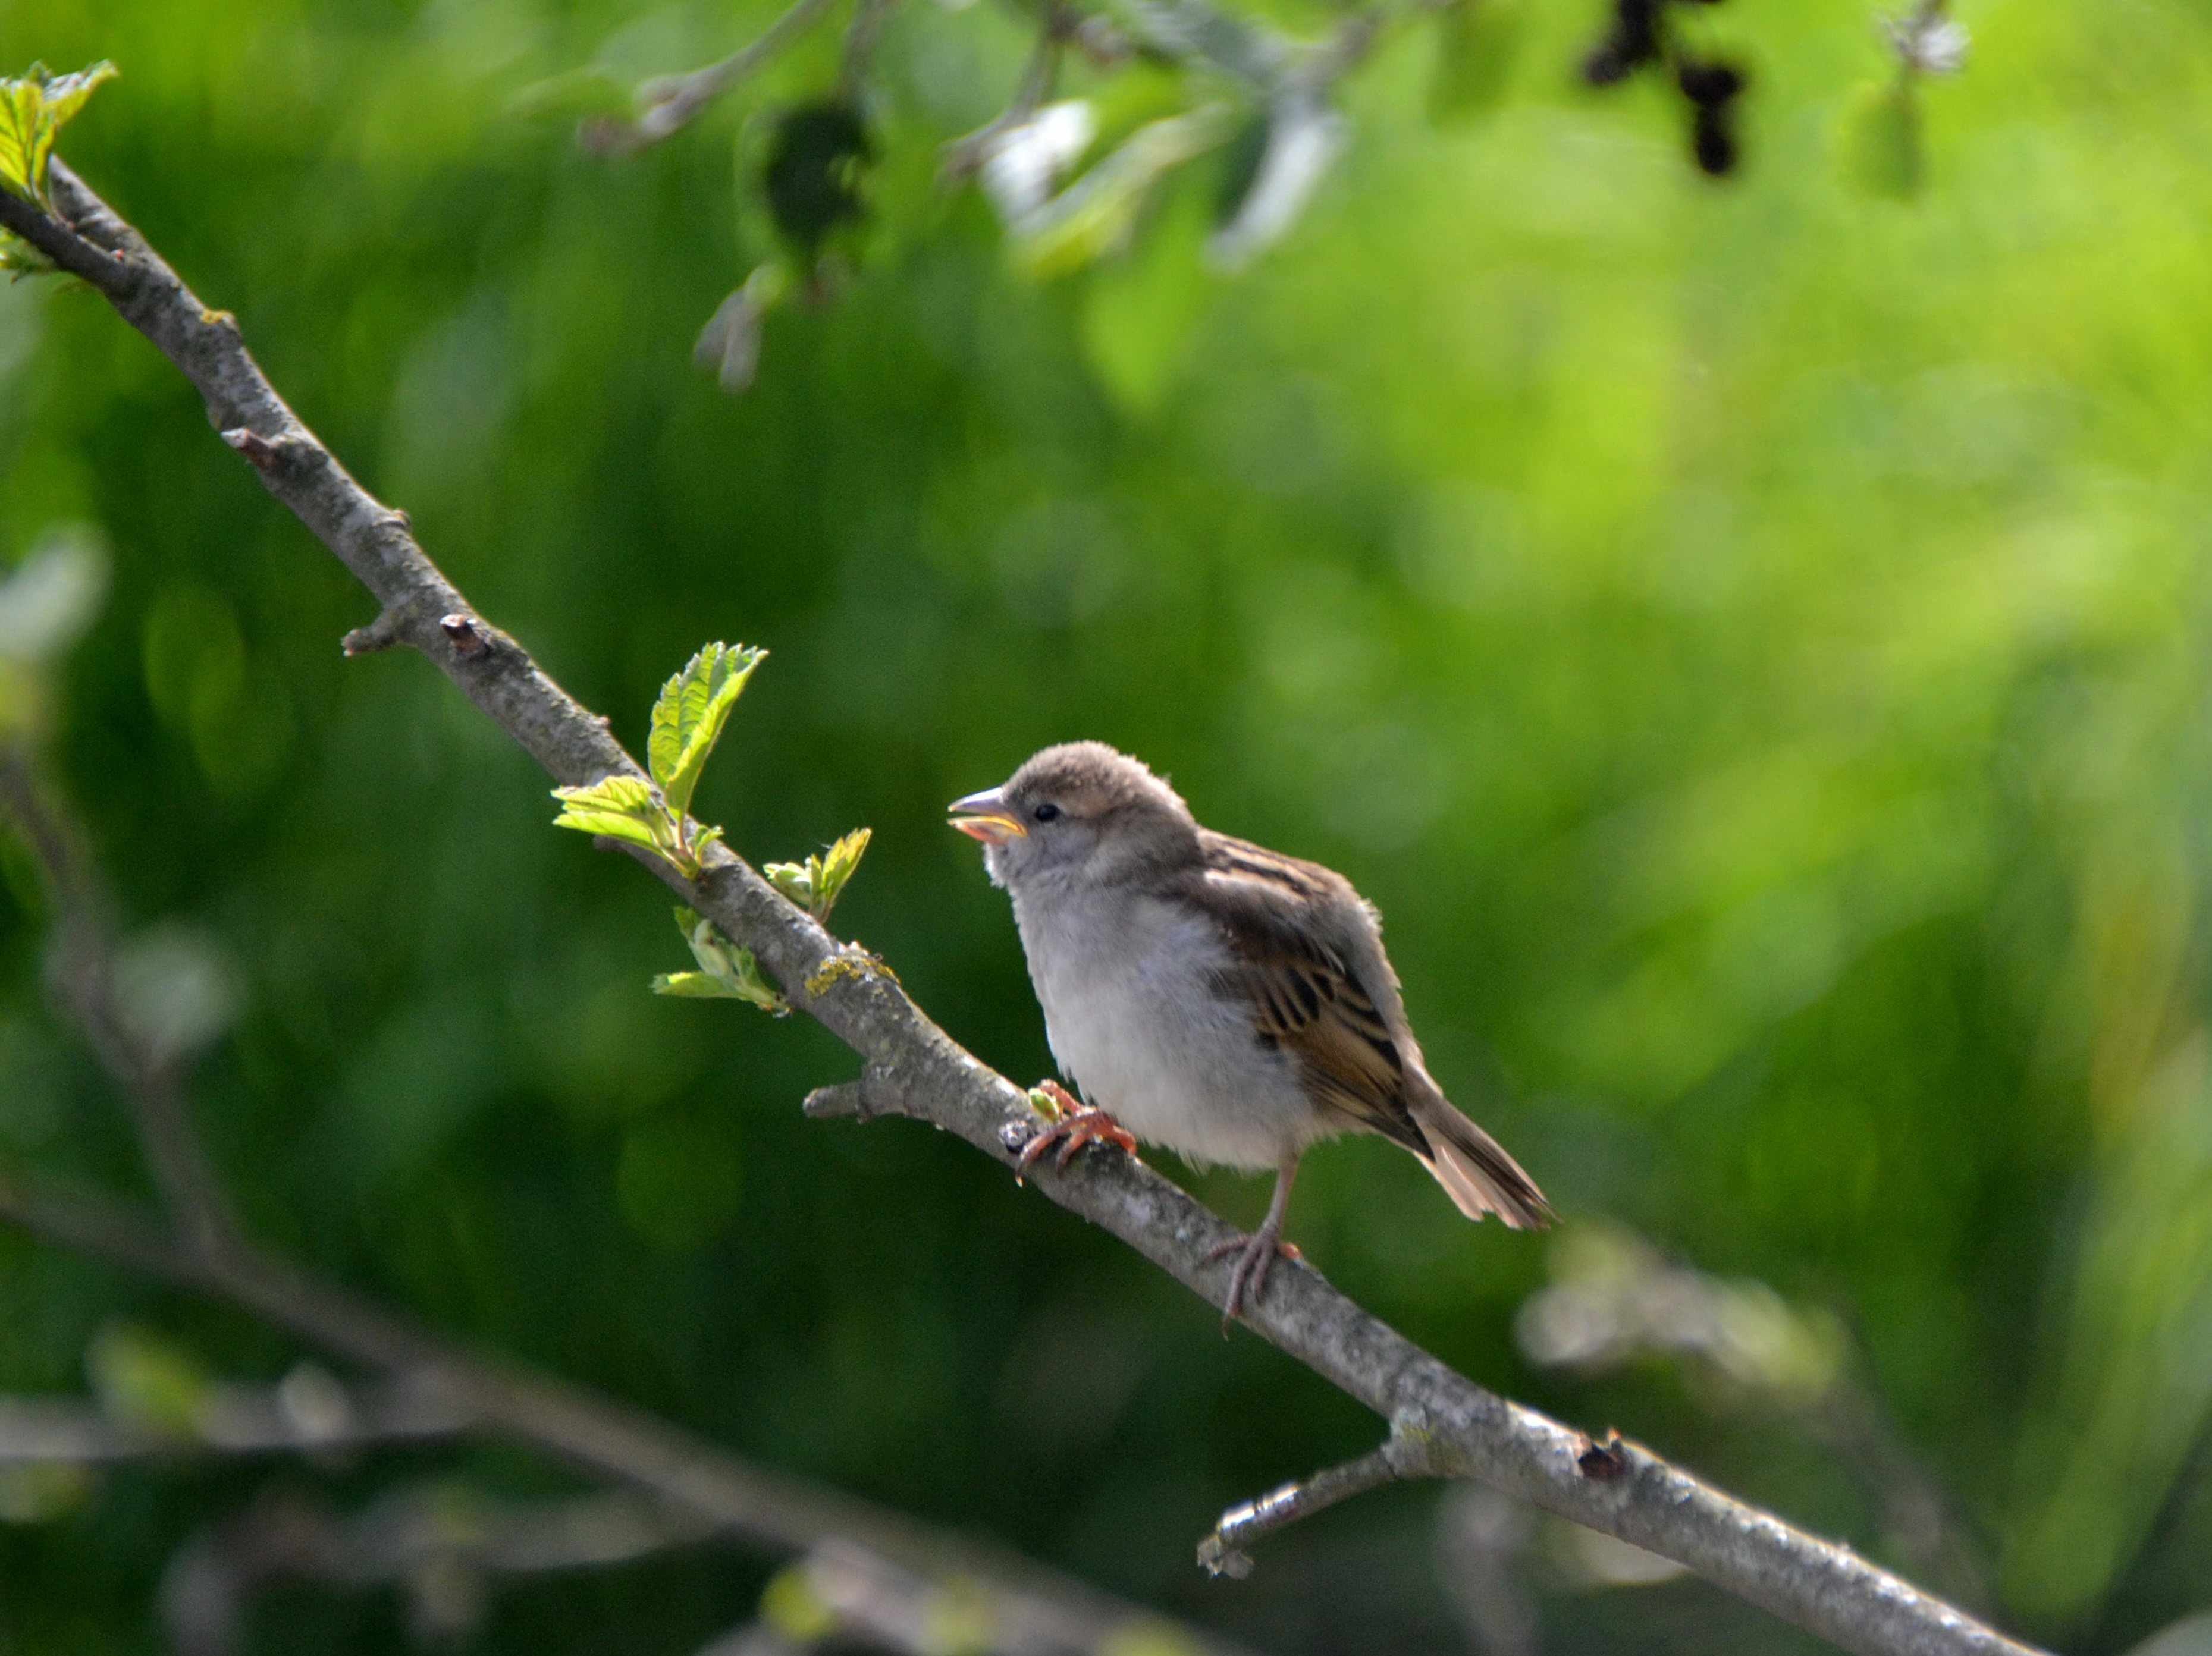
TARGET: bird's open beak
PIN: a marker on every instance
(984, 816)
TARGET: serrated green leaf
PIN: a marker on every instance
(32, 109)
(837, 867)
(621, 808)
(688, 718)
(816, 883)
(1096, 213)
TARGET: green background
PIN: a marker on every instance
(1748, 640)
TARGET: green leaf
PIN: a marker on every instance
(621, 808)
(815, 884)
(727, 971)
(1096, 213)
(838, 864)
(688, 718)
(32, 111)
(795, 880)
(695, 984)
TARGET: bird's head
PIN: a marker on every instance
(1081, 807)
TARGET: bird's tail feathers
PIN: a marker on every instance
(1476, 1171)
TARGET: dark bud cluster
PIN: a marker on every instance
(812, 178)
(1637, 36)
(1630, 42)
(1712, 90)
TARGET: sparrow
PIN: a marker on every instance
(1204, 994)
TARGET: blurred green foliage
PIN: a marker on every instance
(1750, 641)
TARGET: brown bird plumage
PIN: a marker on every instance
(1224, 1000)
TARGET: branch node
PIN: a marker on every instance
(470, 639)
(1601, 1460)
(875, 1092)
(379, 634)
(269, 455)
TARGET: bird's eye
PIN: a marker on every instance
(1046, 812)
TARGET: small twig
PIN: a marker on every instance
(876, 1090)
(310, 1413)
(667, 105)
(861, 35)
(965, 153)
(379, 634)
(1030, 1610)
(438, 1541)
(1222, 1553)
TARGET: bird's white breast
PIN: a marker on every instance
(1135, 1020)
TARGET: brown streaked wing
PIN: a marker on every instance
(1305, 997)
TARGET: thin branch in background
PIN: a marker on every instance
(838, 1595)
(965, 153)
(442, 1545)
(667, 105)
(1025, 1609)
(1467, 1429)
(1018, 1607)
(1616, 1300)
(309, 1412)
(861, 35)
(84, 978)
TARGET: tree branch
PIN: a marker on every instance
(439, 1542)
(1222, 1553)
(1464, 1429)
(966, 154)
(309, 1413)
(1028, 1608)
(667, 105)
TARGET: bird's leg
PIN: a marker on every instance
(1079, 1125)
(1256, 1252)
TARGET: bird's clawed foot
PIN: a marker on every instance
(1247, 1278)
(1079, 1125)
